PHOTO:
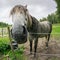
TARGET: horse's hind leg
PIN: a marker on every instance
(35, 46)
(48, 37)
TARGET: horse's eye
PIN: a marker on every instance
(19, 7)
(26, 9)
(26, 19)
(21, 12)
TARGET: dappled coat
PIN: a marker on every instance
(39, 29)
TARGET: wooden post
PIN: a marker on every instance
(2, 31)
(8, 57)
(11, 43)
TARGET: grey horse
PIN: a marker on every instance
(23, 23)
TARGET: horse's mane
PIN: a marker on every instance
(34, 25)
(16, 7)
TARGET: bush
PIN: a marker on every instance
(19, 54)
(4, 47)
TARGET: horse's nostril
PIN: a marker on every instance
(24, 30)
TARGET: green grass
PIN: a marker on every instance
(56, 32)
(56, 29)
(19, 52)
(4, 39)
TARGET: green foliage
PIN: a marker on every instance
(3, 24)
(4, 49)
(19, 54)
(4, 46)
(43, 19)
(58, 8)
(53, 18)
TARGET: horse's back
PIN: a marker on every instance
(45, 27)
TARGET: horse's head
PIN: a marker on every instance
(20, 14)
(21, 20)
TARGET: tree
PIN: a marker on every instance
(53, 18)
(3, 24)
(58, 8)
(43, 19)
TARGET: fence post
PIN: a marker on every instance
(8, 57)
(11, 43)
(2, 31)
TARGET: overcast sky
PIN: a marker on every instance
(37, 8)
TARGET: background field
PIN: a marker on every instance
(56, 28)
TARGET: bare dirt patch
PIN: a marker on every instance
(51, 53)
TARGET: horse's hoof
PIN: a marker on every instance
(30, 53)
(46, 48)
(34, 55)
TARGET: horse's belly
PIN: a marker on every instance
(42, 35)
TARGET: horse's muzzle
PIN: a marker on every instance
(20, 38)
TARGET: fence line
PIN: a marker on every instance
(46, 54)
(44, 33)
(4, 32)
(56, 26)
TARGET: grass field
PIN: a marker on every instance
(4, 39)
(56, 29)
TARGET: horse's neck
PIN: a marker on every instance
(34, 26)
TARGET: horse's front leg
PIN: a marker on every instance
(35, 46)
(31, 46)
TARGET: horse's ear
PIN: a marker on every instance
(12, 11)
(25, 6)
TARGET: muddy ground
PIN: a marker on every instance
(43, 53)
